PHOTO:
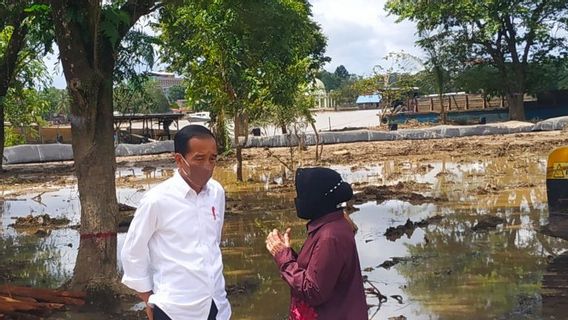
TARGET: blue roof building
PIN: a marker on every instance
(373, 98)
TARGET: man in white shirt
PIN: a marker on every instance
(171, 255)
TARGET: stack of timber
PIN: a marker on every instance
(34, 303)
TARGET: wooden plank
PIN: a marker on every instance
(45, 295)
(8, 305)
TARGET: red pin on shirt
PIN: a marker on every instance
(213, 212)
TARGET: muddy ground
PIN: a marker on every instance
(21, 178)
(35, 178)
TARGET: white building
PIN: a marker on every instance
(166, 80)
(322, 97)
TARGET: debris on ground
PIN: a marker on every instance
(394, 261)
(395, 233)
(399, 191)
(125, 207)
(40, 223)
(34, 303)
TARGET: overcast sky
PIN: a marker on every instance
(359, 34)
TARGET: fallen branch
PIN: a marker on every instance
(271, 154)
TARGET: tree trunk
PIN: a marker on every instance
(239, 163)
(516, 106)
(2, 135)
(88, 65)
(238, 146)
(318, 153)
(93, 151)
(88, 60)
(218, 126)
(443, 116)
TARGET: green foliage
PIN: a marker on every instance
(112, 19)
(242, 58)
(22, 108)
(548, 75)
(342, 73)
(509, 35)
(41, 33)
(22, 105)
(175, 93)
(330, 80)
(136, 51)
(349, 91)
(30, 68)
(37, 8)
(12, 137)
(334, 81)
(131, 98)
(58, 102)
(482, 79)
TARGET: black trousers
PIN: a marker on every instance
(161, 315)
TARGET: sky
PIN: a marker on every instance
(359, 33)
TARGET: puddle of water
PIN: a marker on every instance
(465, 274)
(374, 249)
(456, 273)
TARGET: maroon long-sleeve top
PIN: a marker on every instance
(325, 276)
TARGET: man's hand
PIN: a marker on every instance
(275, 243)
(144, 296)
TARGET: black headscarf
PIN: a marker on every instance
(320, 191)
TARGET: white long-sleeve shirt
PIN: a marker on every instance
(172, 248)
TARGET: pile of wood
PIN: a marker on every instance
(34, 303)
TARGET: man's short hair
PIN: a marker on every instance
(186, 133)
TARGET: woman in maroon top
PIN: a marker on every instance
(325, 276)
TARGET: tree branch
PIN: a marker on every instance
(69, 40)
(8, 63)
(534, 22)
(511, 39)
(135, 10)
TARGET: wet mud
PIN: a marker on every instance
(484, 259)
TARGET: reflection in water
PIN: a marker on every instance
(453, 272)
(464, 274)
(35, 261)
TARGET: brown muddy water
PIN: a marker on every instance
(449, 269)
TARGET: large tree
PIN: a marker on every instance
(342, 73)
(23, 42)
(508, 34)
(88, 34)
(336, 80)
(240, 57)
